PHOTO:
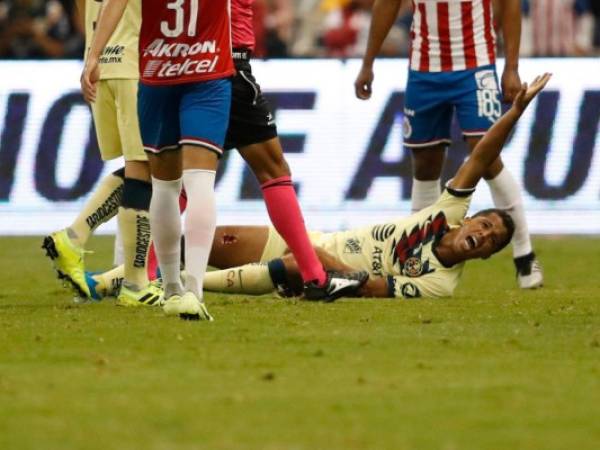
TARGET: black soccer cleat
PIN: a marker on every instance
(338, 284)
(529, 272)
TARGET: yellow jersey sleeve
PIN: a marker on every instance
(454, 203)
(433, 285)
(120, 57)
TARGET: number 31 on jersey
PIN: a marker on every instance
(179, 7)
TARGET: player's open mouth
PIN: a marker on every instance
(471, 242)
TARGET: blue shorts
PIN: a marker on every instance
(184, 114)
(432, 97)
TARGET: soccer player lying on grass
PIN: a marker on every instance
(421, 255)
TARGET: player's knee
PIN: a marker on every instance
(427, 163)
(139, 170)
(423, 170)
(136, 194)
(271, 169)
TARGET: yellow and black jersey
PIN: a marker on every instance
(119, 60)
(402, 251)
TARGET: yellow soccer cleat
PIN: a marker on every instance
(67, 259)
(151, 295)
(187, 307)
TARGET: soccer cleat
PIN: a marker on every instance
(151, 295)
(67, 259)
(338, 284)
(187, 307)
(529, 272)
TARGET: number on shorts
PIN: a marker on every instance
(177, 6)
(489, 104)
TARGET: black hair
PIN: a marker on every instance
(507, 221)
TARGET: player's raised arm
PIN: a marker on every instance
(489, 147)
(383, 17)
(110, 15)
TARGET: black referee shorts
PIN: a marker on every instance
(250, 119)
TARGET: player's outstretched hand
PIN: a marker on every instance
(89, 78)
(527, 93)
(362, 85)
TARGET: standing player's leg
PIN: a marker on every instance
(506, 195)
(133, 217)
(478, 107)
(199, 170)
(252, 130)
(272, 172)
(204, 116)
(426, 132)
(102, 206)
(158, 111)
(184, 152)
(66, 247)
(128, 193)
(427, 166)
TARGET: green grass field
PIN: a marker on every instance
(493, 368)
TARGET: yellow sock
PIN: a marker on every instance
(109, 282)
(248, 279)
(134, 225)
(100, 208)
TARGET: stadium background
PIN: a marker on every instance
(346, 155)
(494, 367)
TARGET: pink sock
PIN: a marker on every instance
(284, 211)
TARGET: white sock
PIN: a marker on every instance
(507, 195)
(424, 193)
(200, 224)
(119, 253)
(251, 279)
(165, 223)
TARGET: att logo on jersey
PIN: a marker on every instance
(408, 249)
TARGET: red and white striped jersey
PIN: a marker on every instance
(452, 35)
(184, 41)
(553, 24)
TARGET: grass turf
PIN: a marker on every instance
(492, 368)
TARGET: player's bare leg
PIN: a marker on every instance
(268, 164)
(427, 167)
(507, 196)
(237, 245)
(280, 274)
